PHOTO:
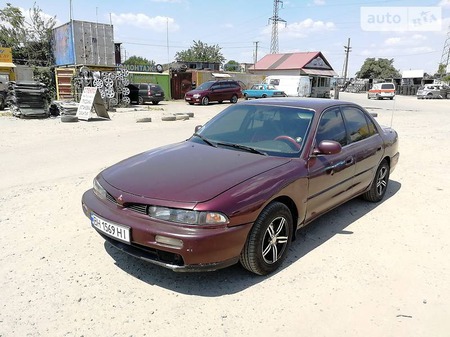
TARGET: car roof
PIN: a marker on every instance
(317, 104)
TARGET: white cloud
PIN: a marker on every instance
(444, 3)
(157, 23)
(306, 27)
(319, 2)
(413, 40)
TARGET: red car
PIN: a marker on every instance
(241, 186)
(218, 91)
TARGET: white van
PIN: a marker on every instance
(298, 86)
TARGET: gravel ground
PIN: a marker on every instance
(361, 270)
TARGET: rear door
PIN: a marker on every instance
(365, 143)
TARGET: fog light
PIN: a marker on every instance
(169, 241)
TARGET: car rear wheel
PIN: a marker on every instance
(140, 100)
(246, 97)
(2, 103)
(264, 96)
(268, 242)
(205, 100)
(155, 102)
(379, 184)
(234, 99)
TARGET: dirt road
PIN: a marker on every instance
(361, 270)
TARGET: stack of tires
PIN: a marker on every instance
(28, 99)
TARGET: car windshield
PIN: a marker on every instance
(205, 85)
(265, 129)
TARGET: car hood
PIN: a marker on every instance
(195, 91)
(187, 171)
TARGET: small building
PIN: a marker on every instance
(312, 64)
(412, 77)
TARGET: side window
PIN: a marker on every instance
(357, 125)
(332, 127)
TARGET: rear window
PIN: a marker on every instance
(387, 86)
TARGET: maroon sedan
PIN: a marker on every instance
(241, 186)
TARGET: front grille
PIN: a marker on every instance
(139, 208)
(109, 197)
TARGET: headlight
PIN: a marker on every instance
(196, 95)
(99, 190)
(187, 216)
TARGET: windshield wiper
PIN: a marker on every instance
(243, 147)
(205, 140)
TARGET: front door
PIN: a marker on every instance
(331, 176)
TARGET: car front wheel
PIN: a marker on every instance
(268, 242)
(140, 100)
(379, 184)
(234, 99)
(205, 100)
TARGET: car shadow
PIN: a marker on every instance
(235, 278)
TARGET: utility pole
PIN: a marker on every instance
(256, 52)
(347, 49)
(275, 19)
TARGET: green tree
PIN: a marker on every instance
(378, 68)
(139, 61)
(232, 65)
(201, 52)
(31, 41)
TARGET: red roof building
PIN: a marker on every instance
(312, 64)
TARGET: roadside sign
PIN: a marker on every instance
(91, 98)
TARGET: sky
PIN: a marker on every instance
(157, 29)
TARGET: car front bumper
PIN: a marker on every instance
(203, 249)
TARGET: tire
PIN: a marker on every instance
(246, 97)
(379, 184)
(220, 102)
(264, 96)
(190, 103)
(205, 100)
(269, 239)
(144, 120)
(140, 100)
(69, 119)
(181, 117)
(234, 99)
(368, 96)
(169, 118)
(2, 102)
(155, 102)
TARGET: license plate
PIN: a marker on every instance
(113, 230)
(188, 99)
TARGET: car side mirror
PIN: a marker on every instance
(328, 147)
(198, 127)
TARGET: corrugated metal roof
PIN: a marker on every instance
(287, 61)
